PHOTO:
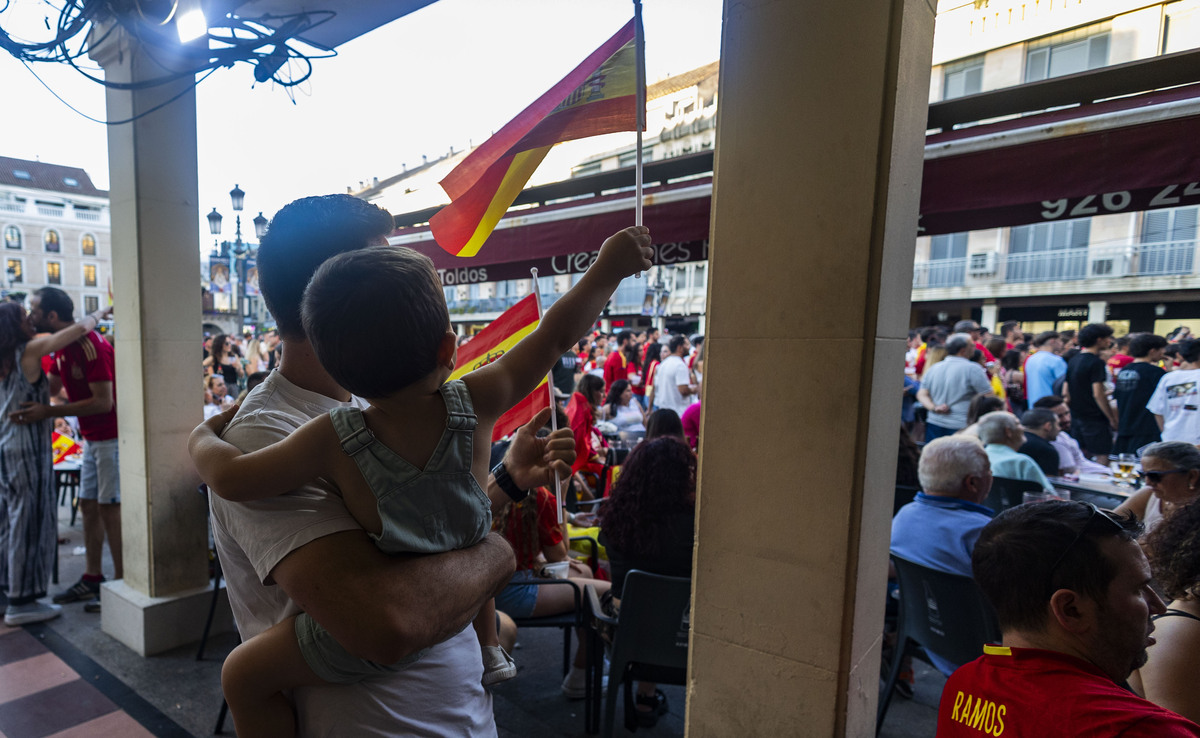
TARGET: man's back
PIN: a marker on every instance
(1042, 453)
(253, 537)
(1042, 370)
(1011, 464)
(672, 373)
(1177, 399)
(1135, 384)
(954, 381)
(1084, 370)
(1046, 694)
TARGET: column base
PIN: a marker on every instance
(152, 625)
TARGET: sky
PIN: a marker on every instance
(445, 76)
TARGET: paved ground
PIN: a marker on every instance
(173, 694)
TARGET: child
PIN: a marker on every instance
(413, 466)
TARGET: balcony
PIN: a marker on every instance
(1167, 259)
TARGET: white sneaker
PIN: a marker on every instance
(498, 666)
(33, 612)
(573, 685)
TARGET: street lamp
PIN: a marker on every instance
(240, 249)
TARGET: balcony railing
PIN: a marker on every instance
(1130, 260)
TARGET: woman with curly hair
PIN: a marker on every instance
(28, 531)
(648, 523)
(1171, 676)
(222, 360)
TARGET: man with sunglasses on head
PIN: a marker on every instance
(1071, 590)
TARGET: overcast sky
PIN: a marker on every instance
(444, 76)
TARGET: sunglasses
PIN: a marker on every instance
(1154, 477)
(1112, 524)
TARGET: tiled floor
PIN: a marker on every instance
(48, 688)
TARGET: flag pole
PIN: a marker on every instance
(558, 495)
(639, 44)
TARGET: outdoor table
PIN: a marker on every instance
(1102, 491)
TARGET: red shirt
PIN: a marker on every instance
(548, 531)
(1117, 362)
(616, 366)
(1029, 692)
(583, 424)
(90, 359)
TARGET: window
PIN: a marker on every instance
(15, 271)
(1067, 53)
(1168, 241)
(91, 303)
(962, 78)
(53, 272)
(22, 174)
(1181, 27)
(12, 237)
(52, 241)
(700, 280)
(1048, 251)
(70, 182)
(87, 244)
(947, 260)
(89, 275)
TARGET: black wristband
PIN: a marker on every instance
(506, 483)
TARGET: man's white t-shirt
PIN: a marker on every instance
(670, 374)
(439, 695)
(1177, 399)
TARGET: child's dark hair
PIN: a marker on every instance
(376, 318)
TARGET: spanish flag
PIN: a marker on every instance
(490, 344)
(599, 96)
(63, 446)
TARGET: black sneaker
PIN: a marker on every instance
(92, 607)
(82, 591)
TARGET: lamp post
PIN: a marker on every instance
(239, 249)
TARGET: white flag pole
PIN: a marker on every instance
(558, 493)
(639, 46)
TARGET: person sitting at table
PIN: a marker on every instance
(1070, 457)
(589, 443)
(1170, 474)
(664, 422)
(1171, 674)
(1041, 428)
(531, 528)
(648, 523)
(981, 404)
(622, 411)
(938, 529)
(1001, 435)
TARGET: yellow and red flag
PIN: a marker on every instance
(599, 96)
(490, 344)
(63, 446)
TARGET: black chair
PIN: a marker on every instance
(944, 613)
(67, 482)
(649, 638)
(567, 620)
(1008, 492)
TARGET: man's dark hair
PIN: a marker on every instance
(1142, 344)
(1189, 350)
(1030, 551)
(966, 326)
(623, 337)
(255, 379)
(1066, 335)
(928, 332)
(1041, 338)
(675, 342)
(1122, 343)
(1090, 334)
(301, 237)
(376, 318)
(1037, 417)
(1049, 402)
(1007, 327)
(54, 299)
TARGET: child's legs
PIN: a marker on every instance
(485, 625)
(255, 676)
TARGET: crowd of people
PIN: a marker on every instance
(1075, 589)
(233, 365)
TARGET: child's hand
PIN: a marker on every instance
(626, 252)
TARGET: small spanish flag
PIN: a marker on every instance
(490, 344)
(63, 446)
(599, 96)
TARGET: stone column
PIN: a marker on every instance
(818, 173)
(990, 317)
(156, 290)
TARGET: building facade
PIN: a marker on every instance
(1134, 270)
(56, 229)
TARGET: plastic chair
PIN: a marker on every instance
(944, 613)
(1007, 492)
(650, 637)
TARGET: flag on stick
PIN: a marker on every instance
(490, 344)
(599, 96)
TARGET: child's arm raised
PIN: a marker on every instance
(499, 385)
(274, 470)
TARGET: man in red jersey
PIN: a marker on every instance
(85, 370)
(1071, 590)
(617, 365)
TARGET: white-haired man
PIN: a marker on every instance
(1001, 435)
(939, 527)
(949, 386)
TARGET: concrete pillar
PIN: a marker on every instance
(156, 267)
(1097, 311)
(818, 175)
(990, 317)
